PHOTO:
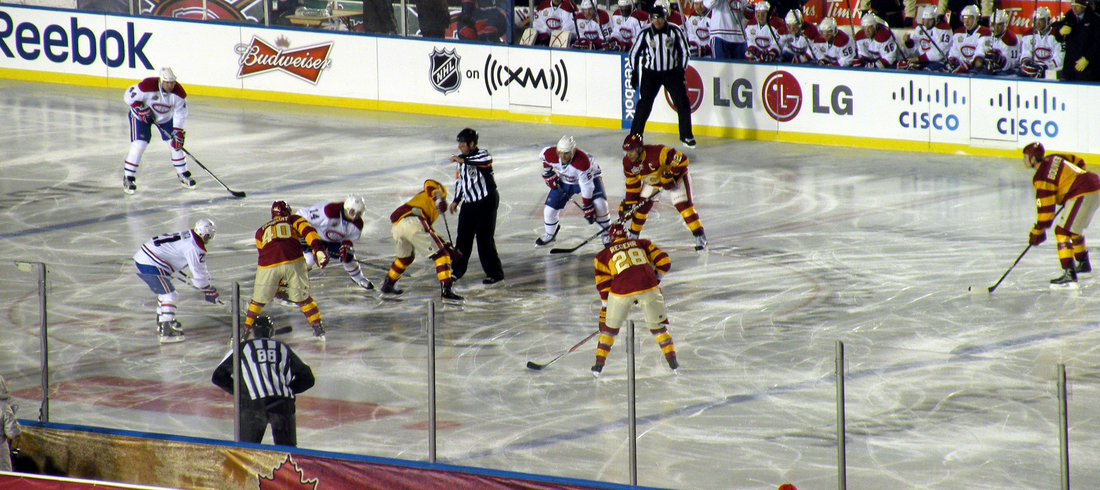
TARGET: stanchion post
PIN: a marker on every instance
(631, 409)
(1063, 427)
(44, 340)
(431, 382)
(841, 461)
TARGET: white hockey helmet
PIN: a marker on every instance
(999, 17)
(205, 229)
(624, 3)
(167, 75)
(354, 207)
(566, 144)
(762, 6)
(794, 17)
(587, 4)
(827, 24)
(1041, 13)
(868, 20)
(928, 12)
(970, 11)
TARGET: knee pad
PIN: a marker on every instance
(170, 298)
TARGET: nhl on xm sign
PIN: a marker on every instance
(80, 44)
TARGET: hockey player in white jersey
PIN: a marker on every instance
(554, 15)
(626, 23)
(568, 171)
(158, 105)
(765, 37)
(875, 44)
(798, 47)
(339, 224)
(593, 27)
(697, 28)
(1002, 57)
(837, 48)
(929, 44)
(164, 255)
(968, 44)
(1040, 51)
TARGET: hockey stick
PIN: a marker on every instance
(189, 283)
(602, 230)
(991, 288)
(197, 162)
(538, 367)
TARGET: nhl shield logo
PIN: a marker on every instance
(444, 73)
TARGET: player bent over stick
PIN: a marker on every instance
(629, 271)
(650, 168)
(282, 263)
(412, 231)
(1062, 179)
(339, 225)
(164, 255)
(567, 172)
(162, 101)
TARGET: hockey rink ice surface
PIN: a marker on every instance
(809, 245)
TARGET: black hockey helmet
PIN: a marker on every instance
(262, 327)
(467, 136)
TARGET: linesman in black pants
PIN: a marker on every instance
(659, 58)
(476, 192)
(271, 375)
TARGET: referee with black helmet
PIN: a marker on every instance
(476, 193)
(271, 374)
(660, 58)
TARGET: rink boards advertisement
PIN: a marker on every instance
(875, 108)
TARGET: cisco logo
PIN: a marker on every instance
(935, 98)
(1041, 127)
(555, 79)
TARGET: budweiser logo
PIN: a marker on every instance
(305, 63)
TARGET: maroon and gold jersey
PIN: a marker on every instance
(1059, 178)
(629, 267)
(660, 165)
(279, 240)
(425, 201)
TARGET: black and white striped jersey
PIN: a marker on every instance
(474, 177)
(660, 50)
(268, 368)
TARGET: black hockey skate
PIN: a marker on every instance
(596, 370)
(318, 331)
(1068, 278)
(1083, 265)
(546, 238)
(129, 185)
(186, 181)
(170, 332)
(700, 241)
(388, 288)
(447, 294)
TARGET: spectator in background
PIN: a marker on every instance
(1040, 50)
(801, 37)
(593, 27)
(433, 16)
(626, 23)
(554, 15)
(1003, 55)
(378, 17)
(765, 36)
(968, 44)
(480, 24)
(9, 426)
(1080, 31)
(927, 48)
(837, 49)
(697, 28)
(898, 14)
(779, 8)
(726, 22)
(876, 46)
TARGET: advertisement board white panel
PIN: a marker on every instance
(211, 64)
(601, 91)
(309, 62)
(993, 113)
(821, 101)
(530, 76)
(1048, 112)
(432, 72)
(570, 98)
(65, 42)
(726, 95)
(1088, 119)
(948, 115)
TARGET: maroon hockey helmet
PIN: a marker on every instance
(616, 232)
(1033, 150)
(632, 142)
(280, 208)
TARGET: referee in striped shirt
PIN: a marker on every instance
(271, 375)
(476, 192)
(659, 58)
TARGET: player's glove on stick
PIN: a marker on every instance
(321, 257)
(178, 135)
(551, 180)
(345, 250)
(1036, 237)
(143, 112)
(589, 209)
(211, 294)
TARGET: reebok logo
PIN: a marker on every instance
(78, 44)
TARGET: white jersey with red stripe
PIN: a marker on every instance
(329, 221)
(968, 46)
(1006, 46)
(930, 45)
(582, 170)
(625, 28)
(800, 47)
(596, 29)
(168, 107)
(838, 52)
(549, 18)
(697, 28)
(767, 40)
(1042, 49)
(880, 50)
(174, 252)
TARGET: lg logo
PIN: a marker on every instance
(782, 97)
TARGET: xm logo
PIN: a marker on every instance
(555, 79)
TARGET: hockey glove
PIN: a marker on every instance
(1030, 68)
(143, 112)
(452, 251)
(994, 61)
(321, 257)
(551, 180)
(1065, 30)
(211, 294)
(441, 206)
(177, 138)
(1081, 64)
(345, 250)
(589, 212)
(1036, 237)
(624, 207)
(960, 68)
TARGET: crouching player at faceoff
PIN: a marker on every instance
(166, 254)
(339, 226)
(629, 271)
(647, 170)
(282, 263)
(1062, 179)
(569, 171)
(412, 231)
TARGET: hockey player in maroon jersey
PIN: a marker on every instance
(1062, 179)
(339, 224)
(629, 272)
(412, 231)
(281, 263)
(649, 169)
(156, 101)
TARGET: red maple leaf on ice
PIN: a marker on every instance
(287, 477)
